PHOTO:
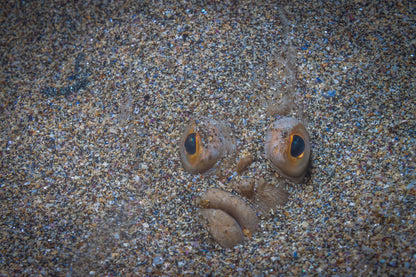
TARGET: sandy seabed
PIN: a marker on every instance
(95, 97)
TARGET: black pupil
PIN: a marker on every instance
(297, 147)
(190, 144)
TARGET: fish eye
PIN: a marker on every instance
(203, 143)
(287, 147)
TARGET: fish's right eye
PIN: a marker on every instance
(203, 143)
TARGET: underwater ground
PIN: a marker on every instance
(95, 97)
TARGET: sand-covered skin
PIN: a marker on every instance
(223, 227)
(240, 210)
(94, 99)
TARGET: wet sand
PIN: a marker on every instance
(95, 97)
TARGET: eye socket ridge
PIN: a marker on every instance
(297, 146)
(191, 143)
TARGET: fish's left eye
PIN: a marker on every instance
(288, 149)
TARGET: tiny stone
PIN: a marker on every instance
(157, 261)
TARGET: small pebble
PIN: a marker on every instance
(93, 103)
